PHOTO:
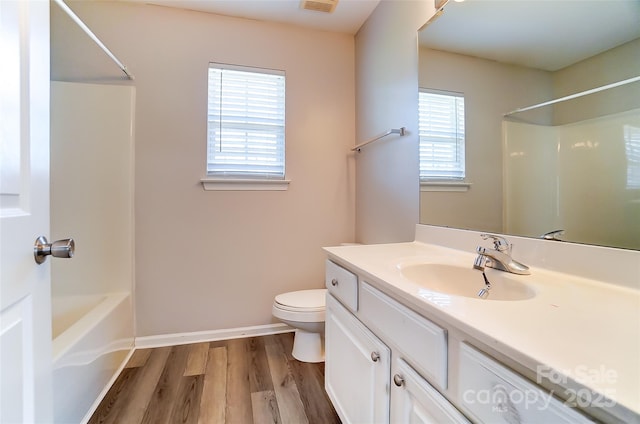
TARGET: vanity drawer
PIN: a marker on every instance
(423, 343)
(342, 284)
(490, 392)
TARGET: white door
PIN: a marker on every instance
(357, 366)
(25, 296)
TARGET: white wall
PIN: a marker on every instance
(387, 97)
(611, 66)
(490, 89)
(215, 260)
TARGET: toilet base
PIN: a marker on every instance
(308, 347)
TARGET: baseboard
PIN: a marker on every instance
(209, 336)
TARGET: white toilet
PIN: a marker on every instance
(304, 310)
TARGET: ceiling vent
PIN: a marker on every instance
(326, 6)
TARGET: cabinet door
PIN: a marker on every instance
(357, 368)
(414, 400)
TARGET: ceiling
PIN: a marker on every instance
(544, 34)
(348, 16)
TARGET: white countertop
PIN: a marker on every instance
(583, 329)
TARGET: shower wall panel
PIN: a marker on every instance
(582, 177)
(92, 186)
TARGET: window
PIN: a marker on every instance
(246, 123)
(441, 129)
(632, 150)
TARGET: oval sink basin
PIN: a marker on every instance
(460, 281)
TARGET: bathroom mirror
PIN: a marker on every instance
(572, 165)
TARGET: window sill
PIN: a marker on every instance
(454, 186)
(220, 184)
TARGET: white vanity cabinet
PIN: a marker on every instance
(360, 379)
(387, 363)
(356, 368)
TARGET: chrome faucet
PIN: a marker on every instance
(553, 235)
(499, 257)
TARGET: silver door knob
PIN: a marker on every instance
(375, 356)
(58, 249)
(334, 282)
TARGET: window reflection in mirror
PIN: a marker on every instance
(441, 133)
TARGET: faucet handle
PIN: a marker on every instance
(481, 259)
(499, 243)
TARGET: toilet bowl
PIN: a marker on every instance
(304, 310)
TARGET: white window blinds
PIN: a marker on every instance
(246, 122)
(441, 130)
(632, 150)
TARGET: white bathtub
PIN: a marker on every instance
(92, 337)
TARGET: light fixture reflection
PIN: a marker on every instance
(437, 298)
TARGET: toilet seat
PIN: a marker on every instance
(302, 300)
(303, 305)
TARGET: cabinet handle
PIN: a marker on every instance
(504, 405)
(375, 356)
(334, 282)
(398, 380)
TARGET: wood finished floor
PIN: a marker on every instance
(251, 380)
